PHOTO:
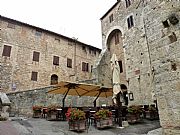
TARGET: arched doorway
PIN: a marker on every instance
(54, 79)
(124, 94)
(114, 41)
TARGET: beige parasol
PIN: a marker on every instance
(115, 75)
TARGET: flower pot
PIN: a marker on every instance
(133, 118)
(107, 122)
(78, 125)
(36, 113)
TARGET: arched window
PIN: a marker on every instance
(54, 79)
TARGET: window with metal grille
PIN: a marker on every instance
(36, 56)
(130, 22)
(128, 3)
(116, 38)
(6, 51)
(69, 63)
(120, 66)
(111, 18)
(85, 67)
(34, 76)
(55, 60)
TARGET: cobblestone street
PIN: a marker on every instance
(44, 127)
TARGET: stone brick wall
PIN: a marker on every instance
(24, 39)
(151, 52)
(165, 58)
(23, 101)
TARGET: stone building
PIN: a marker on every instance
(145, 35)
(32, 57)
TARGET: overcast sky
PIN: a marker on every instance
(72, 18)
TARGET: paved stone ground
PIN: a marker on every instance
(44, 127)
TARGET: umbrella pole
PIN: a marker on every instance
(96, 99)
(119, 104)
(63, 101)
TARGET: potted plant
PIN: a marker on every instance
(53, 111)
(37, 111)
(103, 118)
(134, 113)
(152, 113)
(76, 119)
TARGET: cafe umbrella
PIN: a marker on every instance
(72, 88)
(116, 85)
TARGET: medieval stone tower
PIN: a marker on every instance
(145, 36)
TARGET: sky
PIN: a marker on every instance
(78, 19)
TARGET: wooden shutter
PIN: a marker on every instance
(83, 66)
(34, 76)
(131, 21)
(69, 63)
(128, 22)
(36, 56)
(87, 67)
(6, 51)
(55, 60)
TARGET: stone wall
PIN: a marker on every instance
(151, 50)
(163, 40)
(23, 101)
(16, 70)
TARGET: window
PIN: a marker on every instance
(128, 3)
(34, 76)
(84, 48)
(117, 38)
(165, 24)
(6, 51)
(130, 22)
(69, 63)
(69, 42)
(11, 25)
(56, 60)
(38, 33)
(111, 18)
(85, 66)
(120, 66)
(36, 56)
(91, 68)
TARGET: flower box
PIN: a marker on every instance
(106, 122)
(78, 125)
(133, 118)
(37, 111)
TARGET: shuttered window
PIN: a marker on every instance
(69, 63)
(36, 56)
(111, 18)
(130, 22)
(55, 60)
(6, 51)
(85, 66)
(34, 76)
(128, 3)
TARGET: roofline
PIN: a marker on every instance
(45, 30)
(109, 10)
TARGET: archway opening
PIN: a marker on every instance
(114, 38)
(54, 79)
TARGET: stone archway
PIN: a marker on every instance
(54, 79)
